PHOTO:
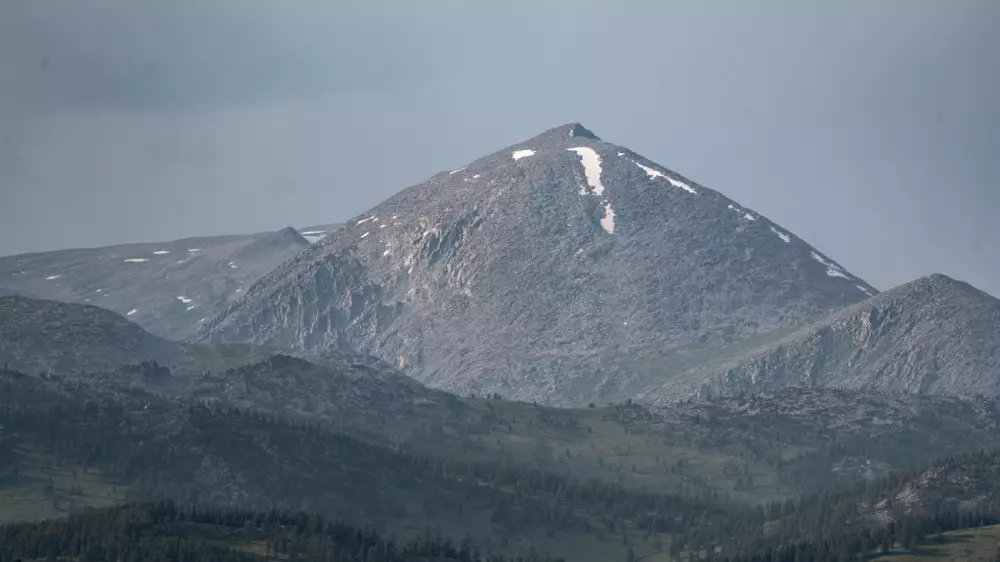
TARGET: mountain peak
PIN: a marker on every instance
(562, 134)
(629, 264)
(933, 335)
(286, 237)
(940, 285)
(578, 130)
(940, 279)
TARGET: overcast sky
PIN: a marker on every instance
(869, 128)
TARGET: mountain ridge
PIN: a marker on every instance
(931, 335)
(167, 287)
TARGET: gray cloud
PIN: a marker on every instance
(868, 128)
(188, 54)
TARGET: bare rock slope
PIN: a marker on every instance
(91, 345)
(934, 335)
(166, 287)
(562, 269)
(41, 336)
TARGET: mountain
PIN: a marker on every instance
(934, 335)
(42, 336)
(89, 344)
(348, 435)
(562, 269)
(751, 448)
(837, 436)
(166, 287)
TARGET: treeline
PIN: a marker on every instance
(901, 510)
(166, 532)
(229, 458)
(863, 544)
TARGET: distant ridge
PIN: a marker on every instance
(168, 287)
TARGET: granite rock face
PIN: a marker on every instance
(562, 269)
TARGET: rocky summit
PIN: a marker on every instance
(166, 287)
(563, 269)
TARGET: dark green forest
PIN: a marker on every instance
(228, 466)
(165, 532)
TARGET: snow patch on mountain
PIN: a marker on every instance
(591, 167)
(608, 222)
(784, 237)
(682, 185)
(653, 174)
(592, 172)
(313, 236)
(518, 154)
(832, 269)
(745, 214)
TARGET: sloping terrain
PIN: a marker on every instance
(95, 346)
(934, 335)
(546, 271)
(65, 447)
(952, 493)
(753, 449)
(166, 287)
(819, 438)
(343, 433)
(977, 544)
(43, 336)
(166, 531)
